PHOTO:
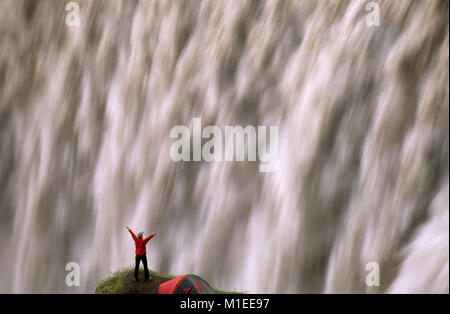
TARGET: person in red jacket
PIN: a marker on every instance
(141, 252)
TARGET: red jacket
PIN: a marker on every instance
(140, 243)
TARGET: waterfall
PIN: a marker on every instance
(363, 143)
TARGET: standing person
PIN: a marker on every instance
(141, 252)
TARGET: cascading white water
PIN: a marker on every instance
(363, 117)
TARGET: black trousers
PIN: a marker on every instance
(140, 258)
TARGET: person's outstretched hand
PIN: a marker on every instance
(126, 227)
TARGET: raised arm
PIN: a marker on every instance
(132, 233)
(149, 237)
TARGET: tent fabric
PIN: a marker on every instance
(170, 286)
(187, 284)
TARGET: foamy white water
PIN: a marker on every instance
(363, 117)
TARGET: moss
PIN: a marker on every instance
(115, 283)
(112, 283)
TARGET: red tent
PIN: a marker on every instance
(170, 286)
(186, 284)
